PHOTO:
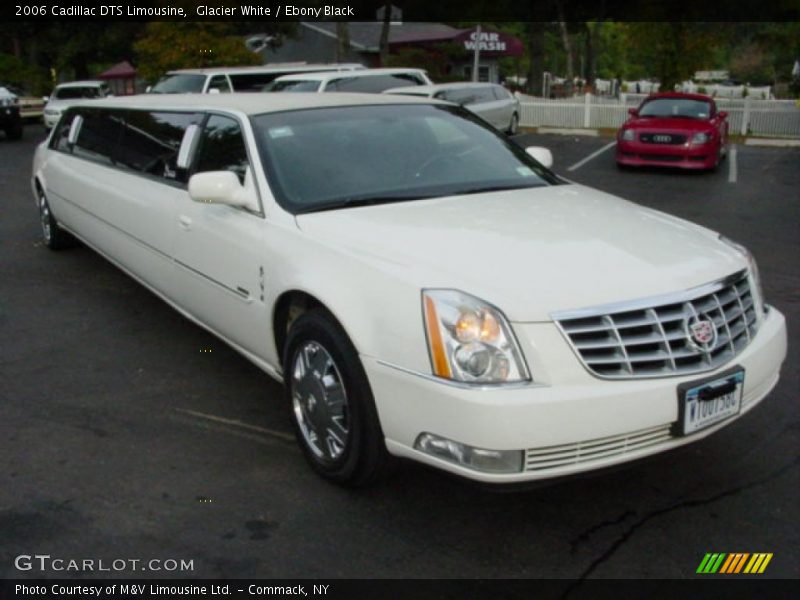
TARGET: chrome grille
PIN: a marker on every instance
(554, 457)
(644, 339)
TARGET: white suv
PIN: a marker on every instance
(236, 79)
(66, 94)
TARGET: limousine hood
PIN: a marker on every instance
(534, 251)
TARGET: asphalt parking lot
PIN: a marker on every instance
(128, 432)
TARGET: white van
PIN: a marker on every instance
(371, 81)
(236, 79)
(491, 101)
(423, 286)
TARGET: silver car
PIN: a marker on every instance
(490, 101)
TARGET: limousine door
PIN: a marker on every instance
(218, 249)
(117, 185)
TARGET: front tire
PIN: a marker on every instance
(332, 407)
(53, 236)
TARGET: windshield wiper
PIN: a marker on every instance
(362, 201)
(493, 188)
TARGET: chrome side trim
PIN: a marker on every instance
(481, 387)
(650, 301)
(240, 293)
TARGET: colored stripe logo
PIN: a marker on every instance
(734, 563)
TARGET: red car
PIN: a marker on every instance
(674, 130)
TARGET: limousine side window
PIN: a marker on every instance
(151, 142)
(60, 139)
(222, 147)
(99, 136)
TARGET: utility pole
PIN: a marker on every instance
(476, 55)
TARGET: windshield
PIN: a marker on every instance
(68, 93)
(293, 86)
(676, 107)
(179, 83)
(329, 158)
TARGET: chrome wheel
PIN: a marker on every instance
(44, 216)
(319, 401)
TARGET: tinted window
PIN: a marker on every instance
(293, 86)
(676, 107)
(151, 140)
(373, 84)
(181, 83)
(222, 147)
(327, 157)
(70, 93)
(60, 135)
(252, 82)
(220, 83)
(99, 136)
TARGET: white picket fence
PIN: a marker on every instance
(747, 116)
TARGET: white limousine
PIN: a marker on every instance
(423, 287)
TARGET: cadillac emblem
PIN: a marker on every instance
(702, 333)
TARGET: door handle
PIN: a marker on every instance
(185, 223)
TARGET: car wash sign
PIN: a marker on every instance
(491, 42)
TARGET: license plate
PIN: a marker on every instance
(705, 403)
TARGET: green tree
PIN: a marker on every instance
(672, 51)
(171, 45)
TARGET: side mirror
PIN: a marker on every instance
(213, 90)
(223, 187)
(722, 114)
(542, 155)
(46, 98)
(633, 111)
(147, 89)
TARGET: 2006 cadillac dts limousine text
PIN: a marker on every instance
(423, 287)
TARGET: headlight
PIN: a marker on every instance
(470, 340)
(701, 138)
(755, 277)
(628, 135)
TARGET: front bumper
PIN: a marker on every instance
(684, 156)
(51, 121)
(567, 408)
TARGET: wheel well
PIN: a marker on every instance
(289, 306)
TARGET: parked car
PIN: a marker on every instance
(371, 81)
(674, 130)
(236, 79)
(30, 106)
(10, 120)
(65, 94)
(491, 101)
(423, 286)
